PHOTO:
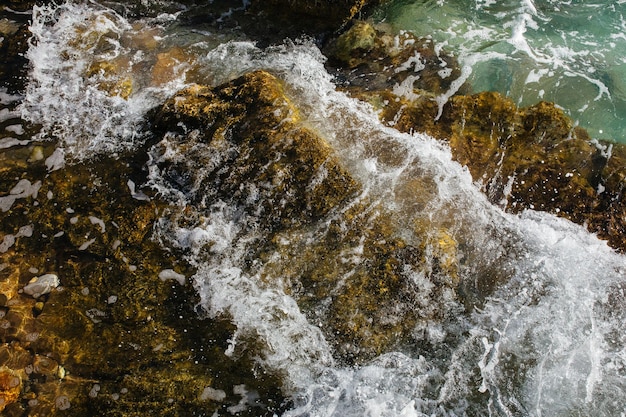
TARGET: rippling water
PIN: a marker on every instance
(572, 53)
(549, 341)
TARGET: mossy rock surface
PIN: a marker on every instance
(337, 253)
(366, 57)
(252, 152)
(523, 158)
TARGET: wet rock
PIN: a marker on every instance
(252, 152)
(149, 350)
(113, 76)
(371, 287)
(367, 58)
(169, 65)
(523, 158)
(244, 144)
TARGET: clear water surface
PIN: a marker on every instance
(572, 53)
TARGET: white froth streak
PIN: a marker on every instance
(551, 307)
(292, 345)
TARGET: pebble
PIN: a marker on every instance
(41, 285)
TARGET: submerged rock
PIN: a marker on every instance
(114, 323)
(42, 285)
(523, 158)
(10, 387)
(368, 58)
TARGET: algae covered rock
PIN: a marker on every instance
(87, 325)
(244, 145)
(523, 158)
(368, 58)
(252, 152)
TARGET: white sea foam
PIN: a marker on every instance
(65, 92)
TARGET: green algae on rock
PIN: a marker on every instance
(369, 58)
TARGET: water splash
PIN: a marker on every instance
(93, 77)
(542, 333)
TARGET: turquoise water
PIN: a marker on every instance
(571, 52)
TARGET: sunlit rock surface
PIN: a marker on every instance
(339, 255)
(120, 333)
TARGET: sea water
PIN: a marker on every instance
(572, 53)
(549, 340)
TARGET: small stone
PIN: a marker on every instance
(61, 372)
(10, 387)
(8, 27)
(212, 394)
(36, 154)
(39, 286)
(62, 402)
(38, 308)
(168, 274)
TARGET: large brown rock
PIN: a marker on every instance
(338, 254)
(251, 126)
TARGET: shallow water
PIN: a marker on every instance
(571, 53)
(547, 338)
